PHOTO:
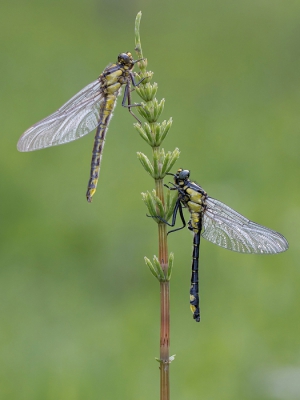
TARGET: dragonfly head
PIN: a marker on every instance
(126, 60)
(181, 176)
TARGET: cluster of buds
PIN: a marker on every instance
(154, 133)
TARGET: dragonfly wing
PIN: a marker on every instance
(76, 118)
(226, 228)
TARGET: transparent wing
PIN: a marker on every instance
(226, 228)
(76, 118)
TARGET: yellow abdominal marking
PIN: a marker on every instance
(193, 308)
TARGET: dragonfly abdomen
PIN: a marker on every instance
(195, 205)
(194, 290)
(107, 108)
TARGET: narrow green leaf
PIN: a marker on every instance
(151, 268)
(145, 163)
(166, 129)
(160, 207)
(159, 269)
(154, 90)
(165, 164)
(170, 266)
(174, 157)
(148, 132)
(144, 112)
(149, 200)
(142, 132)
(138, 46)
(157, 134)
(170, 209)
(160, 108)
(156, 171)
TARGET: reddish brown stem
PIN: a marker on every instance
(164, 306)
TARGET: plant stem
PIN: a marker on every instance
(164, 340)
(164, 305)
(154, 133)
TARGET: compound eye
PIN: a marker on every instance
(184, 174)
(123, 58)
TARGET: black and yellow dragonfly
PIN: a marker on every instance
(219, 224)
(90, 108)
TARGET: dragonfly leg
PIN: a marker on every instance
(181, 191)
(134, 84)
(178, 207)
(160, 218)
(127, 96)
(168, 187)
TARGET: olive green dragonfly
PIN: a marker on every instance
(90, 108)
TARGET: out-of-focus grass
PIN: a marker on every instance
(79, 310)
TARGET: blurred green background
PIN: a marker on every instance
(79, 309)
